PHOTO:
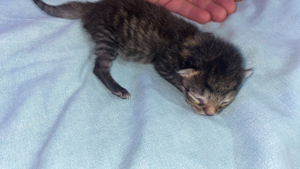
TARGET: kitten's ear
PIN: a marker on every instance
(187, 72)
(248, 72)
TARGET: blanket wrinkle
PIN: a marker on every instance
(259, 10)
(293, 62)
(52, 37)
(38, 163)
(21, 93)
(139, 123)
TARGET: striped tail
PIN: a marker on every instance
(70, 10)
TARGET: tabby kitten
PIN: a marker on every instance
(206, 69)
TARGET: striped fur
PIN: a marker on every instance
(206, 69)
(71, 10)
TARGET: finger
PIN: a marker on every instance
(218, 13)
(228, 5)
(188, 10)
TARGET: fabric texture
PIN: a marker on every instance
(56, 114)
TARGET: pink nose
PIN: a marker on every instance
(209, 111)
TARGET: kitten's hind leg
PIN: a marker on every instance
(105, 56)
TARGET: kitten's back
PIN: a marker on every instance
(138, 27)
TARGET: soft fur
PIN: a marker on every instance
(206, 69)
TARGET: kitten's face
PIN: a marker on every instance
(204, 101)
(211, 97)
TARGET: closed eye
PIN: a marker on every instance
(228, 99)
(199, 101)
(225, 103)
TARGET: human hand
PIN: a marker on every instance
(201, 11)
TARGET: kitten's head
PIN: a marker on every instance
(210, 91)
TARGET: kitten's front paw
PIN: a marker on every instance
(121, 92)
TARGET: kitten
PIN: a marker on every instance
(206, 69)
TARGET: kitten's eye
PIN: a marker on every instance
(201, 102)
(227, 100)
(223, 104)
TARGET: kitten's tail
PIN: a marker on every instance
(70, 10)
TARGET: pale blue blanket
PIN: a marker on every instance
(54, 113)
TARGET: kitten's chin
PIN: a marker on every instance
(209, 111)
